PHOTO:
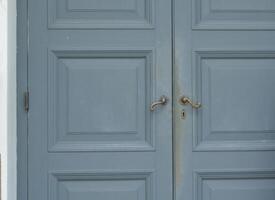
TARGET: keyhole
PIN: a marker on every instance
(183, 114)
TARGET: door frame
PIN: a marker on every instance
(22, 86)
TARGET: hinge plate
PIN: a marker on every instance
(26, 101)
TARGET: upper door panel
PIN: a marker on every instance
(233, 15)
(97, 14)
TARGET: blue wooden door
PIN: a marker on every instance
(225, 60)
(95, 68)
(100, 81)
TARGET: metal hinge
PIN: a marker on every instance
(26, 101)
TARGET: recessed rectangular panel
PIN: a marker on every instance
(243, 5)
(105, 186)
(236, 14)
(103, 95)
(240, 104)
(94, 5)
(236, 112)
(235, 185)
(99, 100)
(100, 14)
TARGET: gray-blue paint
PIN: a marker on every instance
(22, 86)
(223, 57)
(93, 72)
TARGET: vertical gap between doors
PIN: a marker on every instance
(173, 92)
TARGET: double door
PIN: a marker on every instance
(148, 100)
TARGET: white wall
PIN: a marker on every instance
(11, 101)
(8, 98)
(3, 99)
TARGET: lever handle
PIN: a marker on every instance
(162, 101)
(185, 101)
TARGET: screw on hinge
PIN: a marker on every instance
(26, 101)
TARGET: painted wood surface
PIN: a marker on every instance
(224, 59)
(94, 67)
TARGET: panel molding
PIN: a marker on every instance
(202, 143)
(204, 17)
(200, 176)
(56, 144)
(54, 177)
(141, 19)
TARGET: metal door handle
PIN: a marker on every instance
(185, 101)
(162, 101)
